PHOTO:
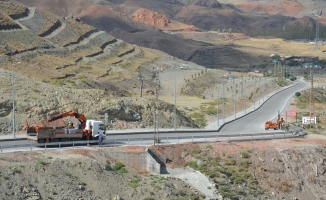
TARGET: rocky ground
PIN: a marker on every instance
(277, 169)
(81, 174)
(274, 169)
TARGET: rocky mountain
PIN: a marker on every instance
(272, 18)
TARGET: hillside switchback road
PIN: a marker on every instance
(255, 121)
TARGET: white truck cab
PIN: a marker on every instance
(97, 128)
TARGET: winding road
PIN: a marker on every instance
(254, 122)
(251, 123)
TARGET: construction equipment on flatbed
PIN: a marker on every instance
(85, 130)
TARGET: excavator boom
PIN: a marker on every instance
(81, 118)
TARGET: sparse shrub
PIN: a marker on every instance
(230, 162)
(279, 160)
(83, 184)
(134, 183)
(6, 177)
(54, 192)
(35, 90)
(50, 157)
(108, 166)
(297, 94)
(16, 170)
(245, 163)
(42, 162)
(122, 170)
(182, 193)
(67, 173)
(118, 165)
(244, 155)
(196, 151)
(192, 164)
(202, 167)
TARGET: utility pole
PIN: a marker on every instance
(259, 92)
(217, 113)
(13, 99)
(311, 94)
(254, 93)
(156, 133)
(141, 85)
(235, 99)
(223, 102)
(266, 89)
(175, 99)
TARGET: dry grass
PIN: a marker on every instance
(127, 48)
(19, 46)
(5, 20)
(50, 21)
(11, 9)
(266, 47)
(79, 27)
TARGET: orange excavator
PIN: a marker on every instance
(280, 124)
(270, 124)
(88, 129)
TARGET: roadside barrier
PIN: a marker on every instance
(148, 141)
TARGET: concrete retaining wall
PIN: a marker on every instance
(152, 165)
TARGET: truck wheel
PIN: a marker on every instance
(274, 128)
(266, 129)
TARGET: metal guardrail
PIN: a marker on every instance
(149, 141)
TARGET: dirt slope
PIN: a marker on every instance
(281, 169)
(81, 174)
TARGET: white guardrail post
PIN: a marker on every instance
(0, 149)
(31, 147)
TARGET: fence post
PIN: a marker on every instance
(88, 143)
(59, 145)
(1, 148)
(73, 144)
(45, 146)
(205, 138)
(31, 148)
(128, 140)
(192, 138)
(263, 135)
(252, 136)
(216, 138)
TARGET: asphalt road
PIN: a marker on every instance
(251, 123)
(255, 121)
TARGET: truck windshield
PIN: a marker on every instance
(101, 127)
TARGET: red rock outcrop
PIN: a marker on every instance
(151, 18)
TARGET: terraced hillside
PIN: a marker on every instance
(66, 64)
